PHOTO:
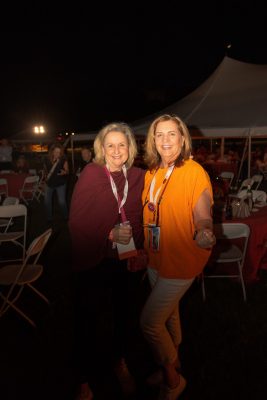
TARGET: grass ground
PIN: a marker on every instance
(224, 349)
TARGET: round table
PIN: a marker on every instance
(256, 255)
(214, 169)
(15, 182)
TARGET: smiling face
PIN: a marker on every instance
(168, 141)
(115, 150)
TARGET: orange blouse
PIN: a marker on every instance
(179, 256)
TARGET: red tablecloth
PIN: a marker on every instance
(256, 255)
(215, 168)
(257, 243)
(15, 182)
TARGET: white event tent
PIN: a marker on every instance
(232, 102)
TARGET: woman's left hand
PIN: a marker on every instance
(205, 238)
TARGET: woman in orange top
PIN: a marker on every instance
(177, 201)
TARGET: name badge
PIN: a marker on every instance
(126, 250)
(153, 237)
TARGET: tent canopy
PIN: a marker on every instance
(231, 102)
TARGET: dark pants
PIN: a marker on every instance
(48, 200)
(104, 307)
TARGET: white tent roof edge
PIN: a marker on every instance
(231, 102)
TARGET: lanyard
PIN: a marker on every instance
(155, 207)
(153, 199)
(114, 187)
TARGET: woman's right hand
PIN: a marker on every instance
(121, 234)
(205, 238)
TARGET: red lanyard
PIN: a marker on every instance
(116, 194)
(156, 209)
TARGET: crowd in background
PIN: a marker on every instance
(20, 157)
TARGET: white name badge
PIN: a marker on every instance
(126, 250)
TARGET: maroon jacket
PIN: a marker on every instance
(94, 212)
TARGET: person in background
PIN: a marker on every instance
(86, 158)
(56, 170)
(21, 165)
(5, 155)
(233, 156)
(261, 162)
(201, 154)
(177, 201)
(108, 189)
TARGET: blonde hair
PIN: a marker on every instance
(100, 138)
(152, 157)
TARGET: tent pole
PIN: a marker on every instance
(249, 152)
(242, 160)
(222, 148)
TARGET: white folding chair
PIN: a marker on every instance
(227, 175)
(8, 201)
(227, 252)
(257, 179)
(245, 183)
(17, 238)
(17, 277)
(3, 186)
(257, 195)
(242, 188)
(32, 171)
(28, 190)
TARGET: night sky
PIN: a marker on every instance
(76, 69)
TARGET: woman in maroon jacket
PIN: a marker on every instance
(107, 193)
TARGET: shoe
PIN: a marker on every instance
(125, 378)
(85, 393)
(167, 393)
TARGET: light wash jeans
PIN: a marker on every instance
(160, 319)
(48, 200)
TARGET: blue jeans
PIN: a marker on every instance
(48, 200)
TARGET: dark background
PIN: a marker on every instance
(75, 69)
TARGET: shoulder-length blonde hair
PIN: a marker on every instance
(52, 148)
(100, 138)
(152, 157)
